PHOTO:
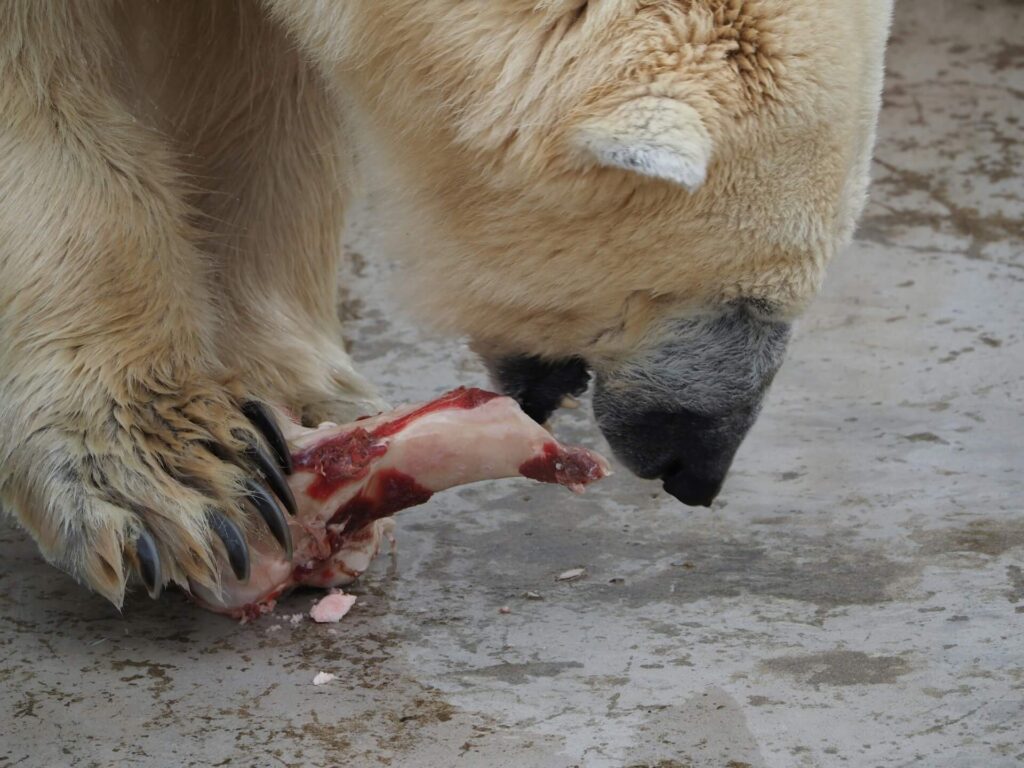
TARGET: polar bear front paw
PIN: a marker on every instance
(161, 479)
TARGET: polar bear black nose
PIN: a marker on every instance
(678, 410)
(692, 490)
(690, 452)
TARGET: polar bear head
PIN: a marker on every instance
(642, 191)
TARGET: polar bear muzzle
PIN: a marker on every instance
(677, 410)
(680, 409)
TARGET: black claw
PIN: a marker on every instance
(271, 513)
(149, 563)
(220, 452)
(258, 456)
(234, 544)
(262, 418)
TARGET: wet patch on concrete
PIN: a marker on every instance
(707, 729)
(924, 437)
(1007, 56)
(763, 701)
(516, 674)
(1015, 575)
(966, 221)
(839, 668)
(987, 536)
(680, 565)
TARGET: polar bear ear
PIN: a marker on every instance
(654, 136)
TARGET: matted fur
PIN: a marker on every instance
(173, 182)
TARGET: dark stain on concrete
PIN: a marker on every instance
(1016, 578)
(984, 537)
(153, 671)
(840, 668)
(1007, 56)
(820, 569)
(762, 701)
(924, 437)
(980, 228)
(517, 674)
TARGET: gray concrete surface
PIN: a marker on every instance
(855, 599)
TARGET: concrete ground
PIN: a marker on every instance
(855, 599)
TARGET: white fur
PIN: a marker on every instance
(658, 137)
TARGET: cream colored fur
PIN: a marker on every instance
(562, 177)
(475, 110)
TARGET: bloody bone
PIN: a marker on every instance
(350, 479)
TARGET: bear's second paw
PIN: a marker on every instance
(166, 481)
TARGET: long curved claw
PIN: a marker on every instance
(149, 563)
(262, 418)
(255, 454)
(272, 514)
(234, 543)
(272, 474)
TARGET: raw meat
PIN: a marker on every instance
(349, 479)
(332, 609)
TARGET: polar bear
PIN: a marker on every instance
(642, 191)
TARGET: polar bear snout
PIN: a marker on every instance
(680, 409)
(691, 453)
(677, 408)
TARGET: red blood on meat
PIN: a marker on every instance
(566, 466)
(250, 612)
(398, 490)
(336, 537)
(346, 458)
(388, 492)
(265, 604)
(463, 398)
(339, 461)
(300, 572)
